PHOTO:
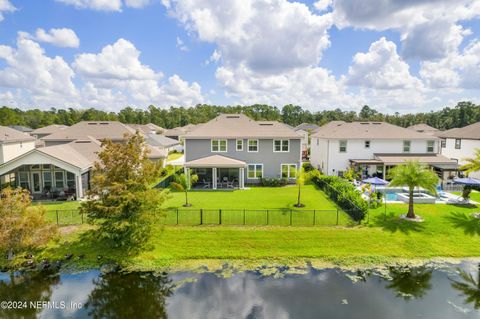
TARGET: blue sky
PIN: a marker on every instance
(393, 55)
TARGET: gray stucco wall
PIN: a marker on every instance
(271, 160)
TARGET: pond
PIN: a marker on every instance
(447, 291)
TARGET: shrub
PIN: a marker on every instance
(308, 167)
(344, 194)
(273, 182)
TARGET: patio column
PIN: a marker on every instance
(79, 186)
(214, 177)
(241, 178)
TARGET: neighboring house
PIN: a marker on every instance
(59, 171)
(460, 143)
(305, 129)
(47, 130)
(100, 130)
(233, 150)
(424, 128)
(149, 128)
(373, 148)
(177, 133)
(20, 128)
(162, 142)
(14, 143)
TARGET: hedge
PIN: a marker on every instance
(344, 194)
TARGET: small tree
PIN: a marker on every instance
(412, 174)
(182, 183)
(473, 163)
(121, 199)
(22, 226)
(301, 179)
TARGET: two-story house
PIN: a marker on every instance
(373, 148)
(233, 150)
(460, 143)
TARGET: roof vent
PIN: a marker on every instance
(233, 117)
(364, 123)
(104, 123)
(92, 123)
(377, 123)
(266, 124)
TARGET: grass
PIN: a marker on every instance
(174, 156)
(474, 195)
(448, 231)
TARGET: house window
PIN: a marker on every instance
(343, 146)
(458, 143)
(59, 180)
(35, 167)
(47, 180)
(254, 171)
(406, 146)
(46, 166)
(239, 144)
(70, 180)
(219, 145)
(367, 144)
(443, 143)
(430, 146)
(281, 145)
(289, 170)
(253, 145)
(317, 141)
(23, 180)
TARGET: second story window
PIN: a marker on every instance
(443, 143)
(430, 146)
(406, 146)
(342, 146)
(367, 144)
(281, 145)
(458, 143)
(239, 144)
(253, 145)
(219, 145)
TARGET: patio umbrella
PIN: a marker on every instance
(379, 182)
(467, 181)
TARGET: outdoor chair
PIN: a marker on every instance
(206, 184)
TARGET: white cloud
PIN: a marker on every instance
(116, 73)
(214, 58)
(6, 6)
(27, 68)
(181, 45)
(322, 5)
(381, 68)
(296, 36)
(63, 37)
(137, 3)
(100, 5)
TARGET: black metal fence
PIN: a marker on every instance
(65, 217)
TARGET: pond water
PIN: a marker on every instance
(450, 291)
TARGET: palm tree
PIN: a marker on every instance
(182, 183)
(301, 178)
(410, 283)
(413, 174)
(473, 163)
(469, 287)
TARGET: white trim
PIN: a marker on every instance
(248, 145)
(289, 164)
(281, 142)
(369, 144)
(254, 171)
(32, 187)
(340, 146)
(218, 140)
(236, 145)
(409, 146)
(433, 146)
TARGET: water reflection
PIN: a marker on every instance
(469, 287)
(132, 295)
(410, 283)
(26, 287)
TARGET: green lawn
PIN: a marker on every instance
(174, 156)
(67, 212)
(474, 195)
(448, 231)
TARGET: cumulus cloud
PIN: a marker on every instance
(181, 45)
(63, 37)
(5, 6)
(381, 68)
(322, 5)
(100, 5)
(137, 3)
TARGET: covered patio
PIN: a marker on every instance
(217, 172)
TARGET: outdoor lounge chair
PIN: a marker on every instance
(206, 184)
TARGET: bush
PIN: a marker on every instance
(344, 194)
(273, 182)
(307, 166)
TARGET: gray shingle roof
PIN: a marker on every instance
(10, 135)
(367, 130)
(160, 140)
(99, 130)
(306, 127)
(215, 161)
(241, 126)
(471, 131)
(80, 153)
(49, 129)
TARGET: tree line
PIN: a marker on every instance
(462, 114)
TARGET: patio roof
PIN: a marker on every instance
(215, 161)
(431, 159)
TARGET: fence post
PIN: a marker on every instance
(268, 219)
(219, 216)
(177, 216)
(314, 216)
(201, 216)
(244, 220)
(57, 217)
(337, 216)
(290, 217)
